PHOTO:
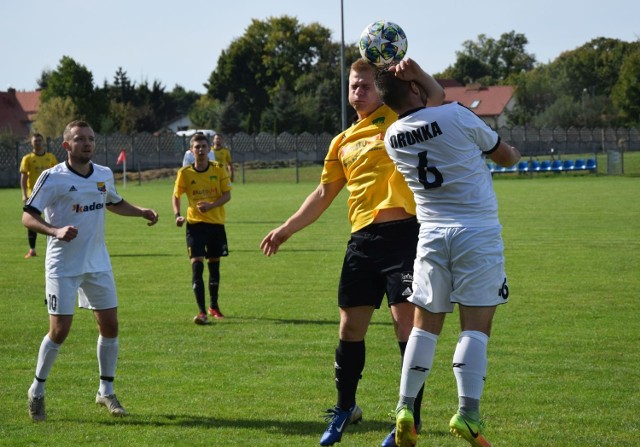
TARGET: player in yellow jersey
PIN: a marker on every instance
(208, 188)
(222, 154)
(384, 235)
(31, 167)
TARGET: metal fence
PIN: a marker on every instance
(147, 151)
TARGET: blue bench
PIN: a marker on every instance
(523, 167)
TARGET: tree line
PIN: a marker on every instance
(281, 75)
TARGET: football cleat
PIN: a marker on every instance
(30, 254)
(201, 319)
(390, 440)
(471, 431)
(36, 407)
(215, 313)
(339, 420)
(111, 402)
(406, 434)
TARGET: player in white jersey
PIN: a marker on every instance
(439, 151)
(74, 196)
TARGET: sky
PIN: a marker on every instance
(179, 42)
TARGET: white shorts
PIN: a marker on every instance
(459, 265)
(95, 291)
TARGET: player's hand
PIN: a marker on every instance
(407, 69)
(203, 207)
(67, 233)
(151, 216)
(180, 221)
(272, 241)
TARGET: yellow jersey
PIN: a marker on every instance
(223, 155)
(208, 186)
(32, 165)
(358, 156)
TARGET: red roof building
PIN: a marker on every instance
(17, 111)
(489, 103)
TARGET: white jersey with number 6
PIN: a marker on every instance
(439, 151)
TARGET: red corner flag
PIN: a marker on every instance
(122, 158)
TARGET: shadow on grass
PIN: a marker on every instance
(294, 321)
(281, 427)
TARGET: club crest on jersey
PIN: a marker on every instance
(102, 187)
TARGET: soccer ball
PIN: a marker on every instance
(383, 42)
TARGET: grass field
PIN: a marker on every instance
(563, 359)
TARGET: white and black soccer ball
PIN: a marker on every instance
(383, 43)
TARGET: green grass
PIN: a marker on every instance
(563, 359)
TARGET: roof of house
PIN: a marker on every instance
(18, 110)
(484, 101)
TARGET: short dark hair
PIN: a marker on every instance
(198, 136)
(66, 135)
(36, 134)
(391, 90)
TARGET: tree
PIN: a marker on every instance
(489, 61)
(626, 91)
(54, 115)
(74, 81)
(271, 57)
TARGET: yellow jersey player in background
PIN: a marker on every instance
(222, 154)
(384, 234)
(31, 167)
(208, 188)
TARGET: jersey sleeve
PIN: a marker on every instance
(178, 186)
(40, 196)
(24, 169)
(332, 170)
(484, 136)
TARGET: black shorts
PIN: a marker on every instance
(206, 240)
(379, 260)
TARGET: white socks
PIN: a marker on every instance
(107, 359)
(418, 359)
(46, 357)
(470, 363)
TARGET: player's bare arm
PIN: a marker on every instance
(124, 208)
(311, 209)
(34, 221)
(505, 155)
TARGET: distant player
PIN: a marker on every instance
(439, 151)
(208, 188)
(222, 154)
(74, 196)
(31, 167)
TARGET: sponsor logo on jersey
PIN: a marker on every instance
(378, 121)
(77, 208)
(73, 188)
(102, 187)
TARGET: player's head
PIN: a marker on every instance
(199, 146)
(68, 132)
(217, 140)
(37, 141)
(79, 140)
(362, 93)
(399, 95)
(198, 137)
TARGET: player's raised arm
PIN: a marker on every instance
(311, 209)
